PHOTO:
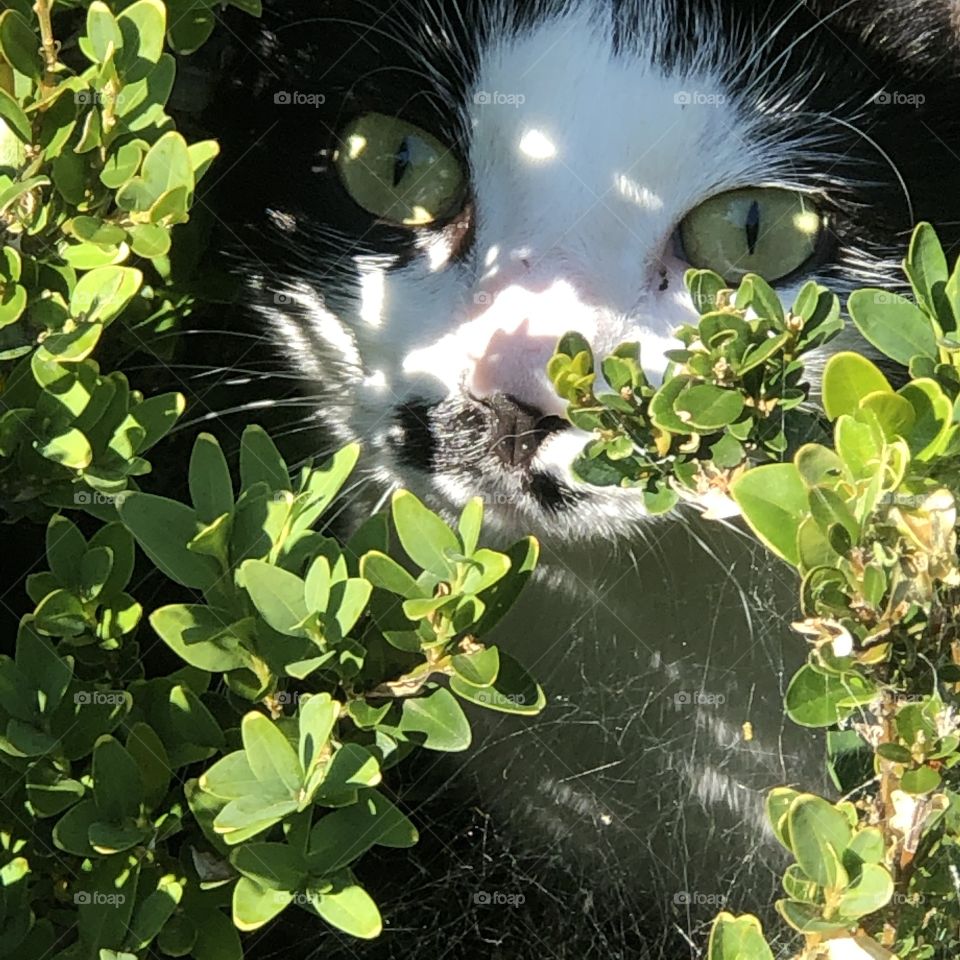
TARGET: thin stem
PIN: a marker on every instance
(48, 46)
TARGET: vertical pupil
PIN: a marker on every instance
(752, 226)
(401, 161)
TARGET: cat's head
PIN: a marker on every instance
(429, 194)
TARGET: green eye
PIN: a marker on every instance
(398, 171)
(763, 230)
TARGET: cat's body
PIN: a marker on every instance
(585, 132)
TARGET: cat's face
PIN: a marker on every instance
(448, 188)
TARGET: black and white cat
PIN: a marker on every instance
(423, 195)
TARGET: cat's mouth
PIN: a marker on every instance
(490, 448)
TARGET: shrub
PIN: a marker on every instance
(140, 808)
(867, 516)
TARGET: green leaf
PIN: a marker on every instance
(819, 834)
(892, 324)
(217, 938)
(253, 905)
(708, 407)
(513, 691)
(893, 412)
(70, 833)
(816, 699)
(737, 938)
(347, 833)
(500, 598)
(318, 714)
(807, 917)
(103, 34)
(847, 379)
(868, 845)
(17, 122)
(933, 414)
(323, 485)
(152, 913)
(102, 293)
(435, 721)
(479, 668)
(117, 786)
(163, 528)
(192, 720)
(231, 778)
(424, 536)
(211, 488)
(384, 572)
(274, 866)
(470, 523)
(147, 749)
(926, 266)
(351, 910)
(49, 791)
(19, 45)
(779, 801)
(773, 498)
(920, 780)
(486, 568)
(277, 595)
(269, 753)
(868, 893)
(142, 25)
(260, 461)
(200, 636)
(69, 448)
(65, 549)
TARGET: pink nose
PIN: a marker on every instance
(503, 348)
(514, 364)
